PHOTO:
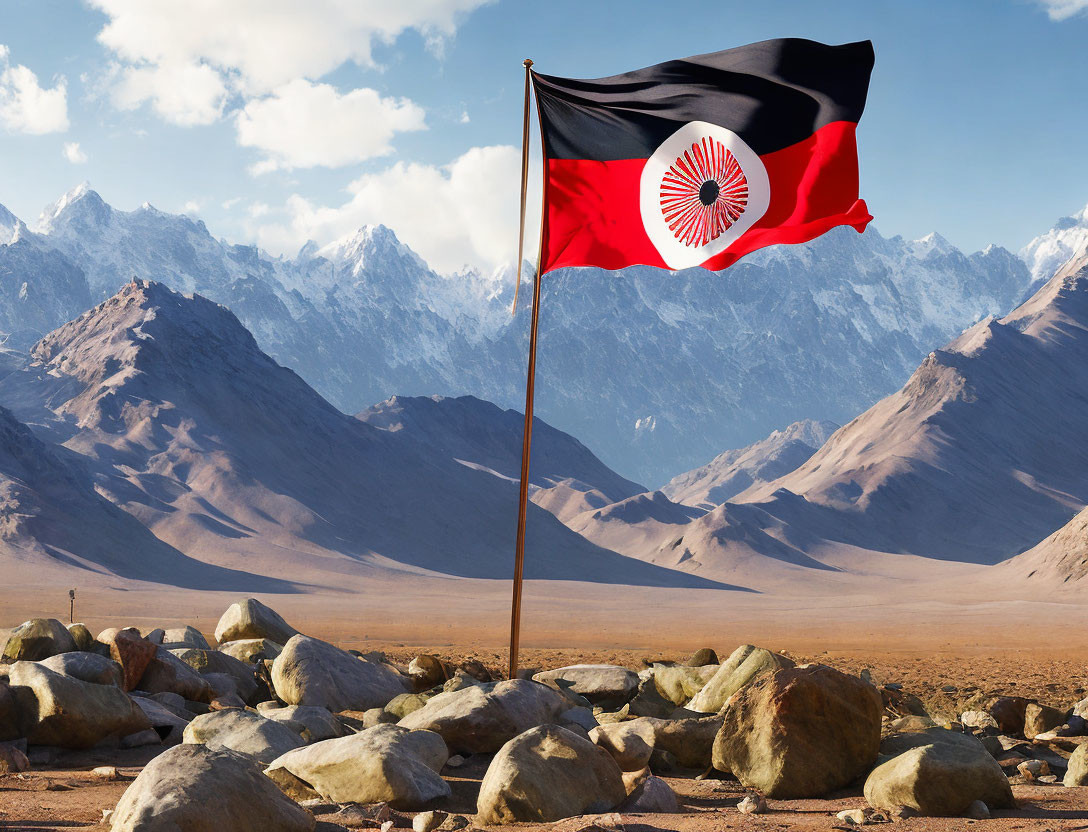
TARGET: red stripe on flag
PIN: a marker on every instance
(593, 218)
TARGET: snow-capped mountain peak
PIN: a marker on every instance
(1048, 252)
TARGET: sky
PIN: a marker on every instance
(279, 121)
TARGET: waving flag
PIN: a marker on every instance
(697, 162)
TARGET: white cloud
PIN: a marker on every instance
(255, 46)
(26, 106)
(186, 94)
(1064, 9)
(73, 153)
(258, 209)
(230, 203)
(306, 125)
(191, 207)
(464, 117)
(464, 213)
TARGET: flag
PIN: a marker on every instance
(697, 162)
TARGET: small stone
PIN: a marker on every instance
(950, 689)
(387, 826)
(753, 804)
(1033, 769)
(453, 823)
(426, 821)
(978, 811)
(859, 817)
(456, 761)
(1049, 779)
(12, 760)
(106, 773)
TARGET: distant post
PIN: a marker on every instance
(71, 606)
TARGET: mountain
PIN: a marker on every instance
(732, 472)
(565, 477)
(656, 371)
(52, 519)
(976, 459)
(234, 460)
(1058, 561)
(1050, 251)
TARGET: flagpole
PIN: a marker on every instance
(530, 383)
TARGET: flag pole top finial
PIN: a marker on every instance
(528, 62)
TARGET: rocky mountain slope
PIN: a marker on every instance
(977, 458)
(51, 519)
(234, 460)
(732, 472)
(655, 371)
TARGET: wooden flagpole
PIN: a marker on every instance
(530, 381)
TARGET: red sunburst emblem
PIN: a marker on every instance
(703, 193)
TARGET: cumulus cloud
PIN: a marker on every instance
(73, 153)
(26, 106)
(306, 125)
(461, 214)
(182, 55)
(1064, 9)
(191, 207)
(186, 94)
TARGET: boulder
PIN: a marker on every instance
(88, 667)
(703, 658)
(649, 701)
(251, 650)
(70, 713)
(36, 639)
(652, 795)
(745, 663)
(1038, 719)
(909, 725)
(11, 721)
(243, 731)
(1008, 712)
(680, 684)
(481, 719)
(546, 774)
(599, 683)
(427, 671)
(83, 638)
(252, 619)
(1077, 772)
(402, 705)
(168, 723)
(801, 732)
(630, 743)
(938, 773)
(186, 636)
(979, 720)
(690, 741)
(312, 724)
(196, 789)
(206, 662)
(12, 760)
(383, 764)
(313, 672)
(166, 673)
(130, 650)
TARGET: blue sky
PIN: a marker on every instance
(279, 120)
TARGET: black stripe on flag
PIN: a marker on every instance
(773, 94)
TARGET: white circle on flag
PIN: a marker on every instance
(700, 191)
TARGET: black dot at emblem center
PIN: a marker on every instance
(708, 193)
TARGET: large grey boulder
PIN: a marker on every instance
(206, 662)
(385, 763)
(801, 732)
(70, 713)
(252, 619)
(87, 667)
(36, 639)
(690, 741)
(187, 636)
(11, 722)
(596, 682)
(311, 723)
(168, 723)
(630, 743)
(481, 719)
(313, 672)
(547, 774)
(937, 773)
(744, 664)
(243, 731)
(191, 788)
(166, 673)
(251, 650)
